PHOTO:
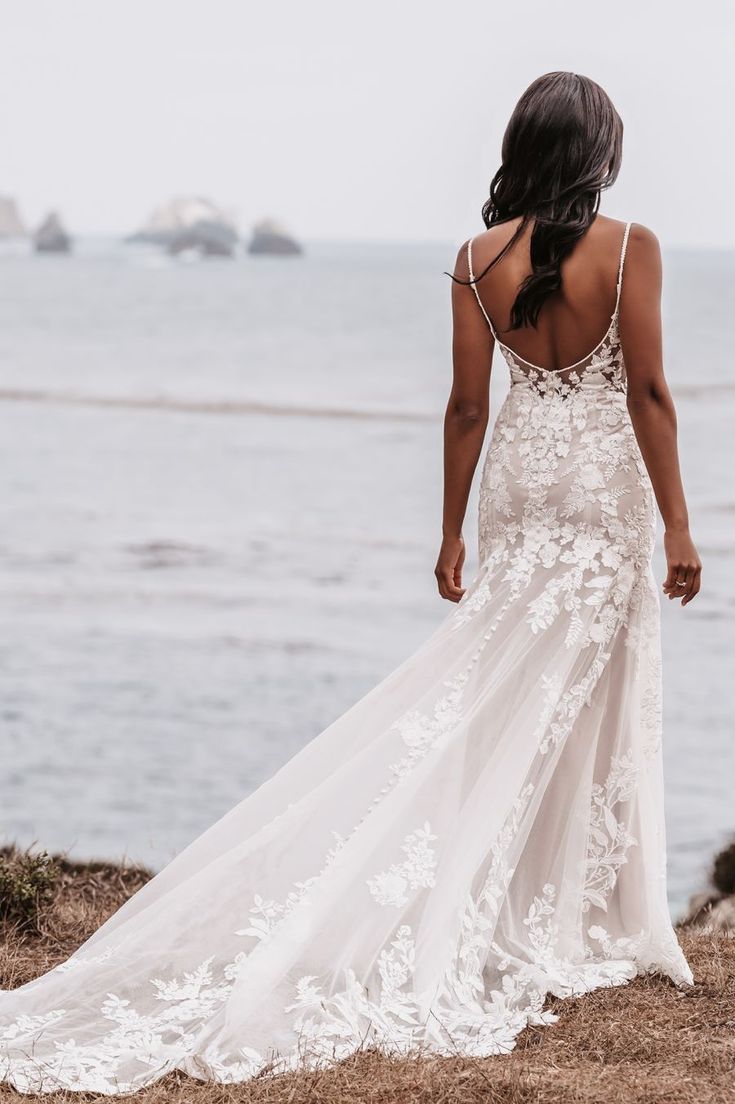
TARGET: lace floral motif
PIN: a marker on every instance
(609, 838)
(465, 976)
(266, 915)
(422, 732)
(393, 886)
(329, 1027)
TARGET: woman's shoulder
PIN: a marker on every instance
(494, 236)
(640, 236)
(643, 239)
(487, 243)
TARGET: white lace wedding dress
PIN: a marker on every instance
(483, 829)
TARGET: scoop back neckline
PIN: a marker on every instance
(600, 343)
(568, 367)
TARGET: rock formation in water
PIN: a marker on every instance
(211, 239)
(51, 237)
(715, 909)
(11, 224)
(269, 237)
(190, 222)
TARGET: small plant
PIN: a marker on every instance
(26, 885)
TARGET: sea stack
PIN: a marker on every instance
(190, 223)
(11, 224)
(270, 238)
(211, 239)
(714, 910)
(51, 237)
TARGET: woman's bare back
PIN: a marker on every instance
(573, 320)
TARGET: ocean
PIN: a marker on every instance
(220, 499)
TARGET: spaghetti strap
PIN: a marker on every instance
(620, 267)
(474, 288)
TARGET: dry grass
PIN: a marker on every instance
(640, 1044)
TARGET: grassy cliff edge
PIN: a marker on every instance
(645, 1042)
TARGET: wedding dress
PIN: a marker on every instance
(483, 829)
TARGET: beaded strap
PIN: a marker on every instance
(620, 267)
(474, 288)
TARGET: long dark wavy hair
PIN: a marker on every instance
(562, 146)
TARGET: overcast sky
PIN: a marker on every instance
(377, 120)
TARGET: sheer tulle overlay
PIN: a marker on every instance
(483, 829)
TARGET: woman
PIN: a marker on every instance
(486, 826)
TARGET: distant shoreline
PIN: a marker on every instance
(213, 406)
(248, 407)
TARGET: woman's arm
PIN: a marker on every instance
(465, 422)
(652, 408)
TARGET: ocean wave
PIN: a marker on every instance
(258, 407)
(228, 407)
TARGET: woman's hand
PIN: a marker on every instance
(448, 568)
(684, 567)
